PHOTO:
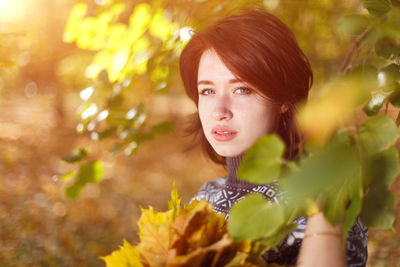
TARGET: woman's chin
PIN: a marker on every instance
(228, 153)
(228, 149)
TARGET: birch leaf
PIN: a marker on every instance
(262, 163)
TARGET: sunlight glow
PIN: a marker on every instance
(102, 115)
(86, 93)
(378, 99)
(80, 128)
(381, 79)
(141, 118)
(92, 70)
(11, 10)
(186, 33)
(89, 111)
(130, 114)
(5, 4)
(94, 136)
(271, 4)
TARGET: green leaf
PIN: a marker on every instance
(395, 99)
(376, 102)
(165, 127)
(376, 134)
(387, 49)
(73, 191)
(389, 80)
(353, 24)
(77, 155)
(378, 208)
(255, 217)
(337, 198)
(319, 171)
(143, 137)
(262, 162)
(67, 175)
(377, 8)
(116, 147)
(107, 133)
(364, 70)
(274, 240)
(388, 28)
(390, 76)
(383, 166)
(389, 89)
(91, 172)
(352, 212)
(320, 180)
(394, 15)
(380, 171)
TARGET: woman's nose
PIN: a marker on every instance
(222, 110)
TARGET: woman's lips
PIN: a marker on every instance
(223, 133)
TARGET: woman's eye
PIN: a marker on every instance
(206, 92)
(243, 91)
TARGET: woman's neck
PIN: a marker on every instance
(232, 164)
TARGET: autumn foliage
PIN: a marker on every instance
(190, 236)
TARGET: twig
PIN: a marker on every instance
(356, 44)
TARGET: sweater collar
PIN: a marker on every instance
(232, 164)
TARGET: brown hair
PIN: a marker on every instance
(260, 50)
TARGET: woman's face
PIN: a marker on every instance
(232, 114)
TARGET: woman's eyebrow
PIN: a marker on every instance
(210, 82)
(235, 81)
(204, 82)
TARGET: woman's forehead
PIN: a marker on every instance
(212, 67)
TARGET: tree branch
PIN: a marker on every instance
(357, 43)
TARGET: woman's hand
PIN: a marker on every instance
(322, 245)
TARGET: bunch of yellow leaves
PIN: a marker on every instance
(194, 235)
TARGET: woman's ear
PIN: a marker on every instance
(283, 108)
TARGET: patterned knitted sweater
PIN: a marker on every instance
(223, 192)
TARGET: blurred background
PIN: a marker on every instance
(92, 118)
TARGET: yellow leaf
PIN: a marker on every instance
(126, 256)
(76, 16)
(117, 37)
(175, 203)
(155, 234)
(197, 237)
(200, 227)
(333, 107)
(161, 27)
(117, 9)
(159, 73)
(139, 21)
(205, 256)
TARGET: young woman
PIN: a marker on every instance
(246, 74)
